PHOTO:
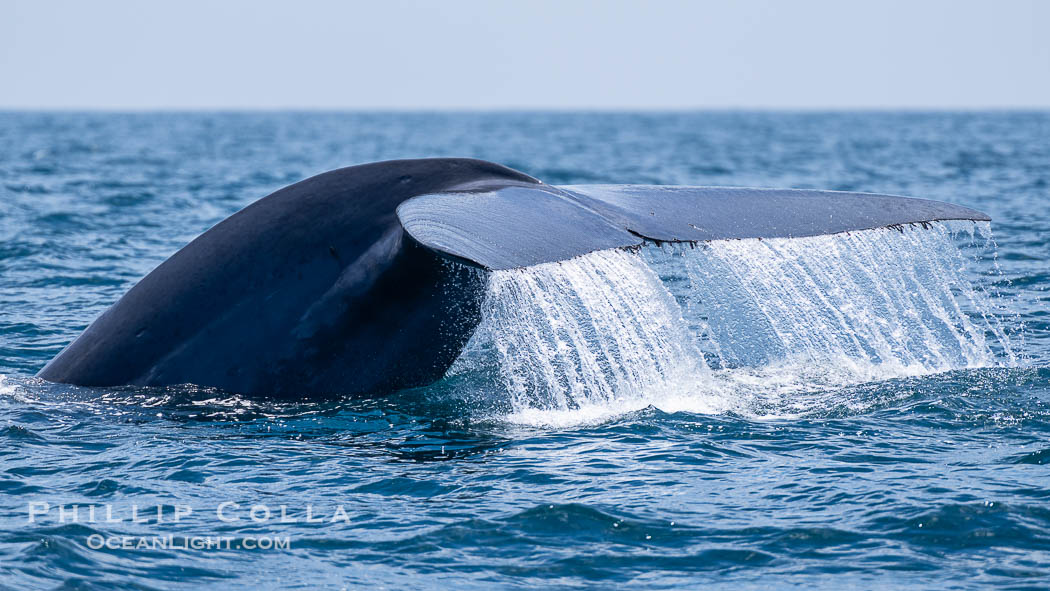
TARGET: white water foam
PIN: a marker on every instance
(778, 320)
(6, 389)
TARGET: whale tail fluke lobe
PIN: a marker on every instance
(521, 226)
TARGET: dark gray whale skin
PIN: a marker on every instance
(370, 279)
(315, 289)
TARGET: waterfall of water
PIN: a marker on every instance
(774, 314)
(591, 328)
(880, 303)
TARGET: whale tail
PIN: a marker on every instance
(340, 284)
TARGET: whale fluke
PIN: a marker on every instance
(369, 279)
(521, 226)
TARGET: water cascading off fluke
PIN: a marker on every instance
(824, 311)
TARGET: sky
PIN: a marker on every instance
(528, 54)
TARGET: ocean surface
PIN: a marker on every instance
(866, 411)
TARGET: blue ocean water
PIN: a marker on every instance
(864, 411)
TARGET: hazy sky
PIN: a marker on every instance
(525, 54)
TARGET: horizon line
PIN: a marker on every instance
(123, 109)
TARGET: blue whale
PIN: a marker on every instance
(370, 279)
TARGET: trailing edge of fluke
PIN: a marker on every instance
(346, 283)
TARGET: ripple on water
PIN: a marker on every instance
(798, 469)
